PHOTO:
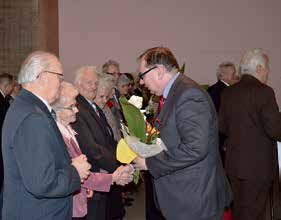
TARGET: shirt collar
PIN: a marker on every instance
(169, 85)
(224, 82)
(2, 93)
(44, 101)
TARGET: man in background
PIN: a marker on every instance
(6, 81)
(226, 76)
(15, 91)
(252, 126)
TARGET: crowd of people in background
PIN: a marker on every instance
(59, 139)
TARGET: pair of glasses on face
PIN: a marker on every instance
(61, 76)
(141, 75)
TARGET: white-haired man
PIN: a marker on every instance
(39, 178)
(252, 126)
(226, 73)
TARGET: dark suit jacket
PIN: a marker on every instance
(96, 141)
(4, 105)
(39, 178)
(95, 137)
(252, 125)
(215, 93)
(188, 177)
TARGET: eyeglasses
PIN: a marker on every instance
(61, 76)
(141, 75)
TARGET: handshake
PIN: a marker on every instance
(121, 176)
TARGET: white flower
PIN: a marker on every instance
(136, 101)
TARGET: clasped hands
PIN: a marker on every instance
(82, 166)
(123, 175)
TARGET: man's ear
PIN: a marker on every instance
(42, 78)
(161, 70)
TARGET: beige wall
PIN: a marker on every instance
(201, 33)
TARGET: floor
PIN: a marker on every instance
(137, 210)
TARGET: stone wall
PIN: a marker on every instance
(25, 26)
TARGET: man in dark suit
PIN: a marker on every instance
(252, 126)
(15, 91)
(189, 178)
(96, 140)
(39, 177)
(5, 89)
(226, 76)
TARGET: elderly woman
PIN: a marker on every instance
(105, 91)
(66, 110)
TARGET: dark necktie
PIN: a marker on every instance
(161, 103)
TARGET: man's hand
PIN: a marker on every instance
(123, 175)
(139, 163)
(82, 166)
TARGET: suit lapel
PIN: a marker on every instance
(90, 109)
(41, 107)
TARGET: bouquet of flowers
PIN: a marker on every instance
(140, 137)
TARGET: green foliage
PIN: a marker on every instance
(134, 119)
(205, 86)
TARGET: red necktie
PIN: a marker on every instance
(161, 103)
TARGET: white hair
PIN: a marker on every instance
(251, 60)
(222, 65)
(33, 65)
(79, 73)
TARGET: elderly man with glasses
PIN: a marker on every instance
(39, 177)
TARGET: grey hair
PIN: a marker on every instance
(109, 63)
(67, 91)
(106, 81)
(225, 64)
(251, 60)
(33, 65)
(79, 73)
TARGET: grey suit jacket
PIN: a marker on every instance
(188, 177)
(39, 178)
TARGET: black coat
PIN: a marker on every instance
(4, 105)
